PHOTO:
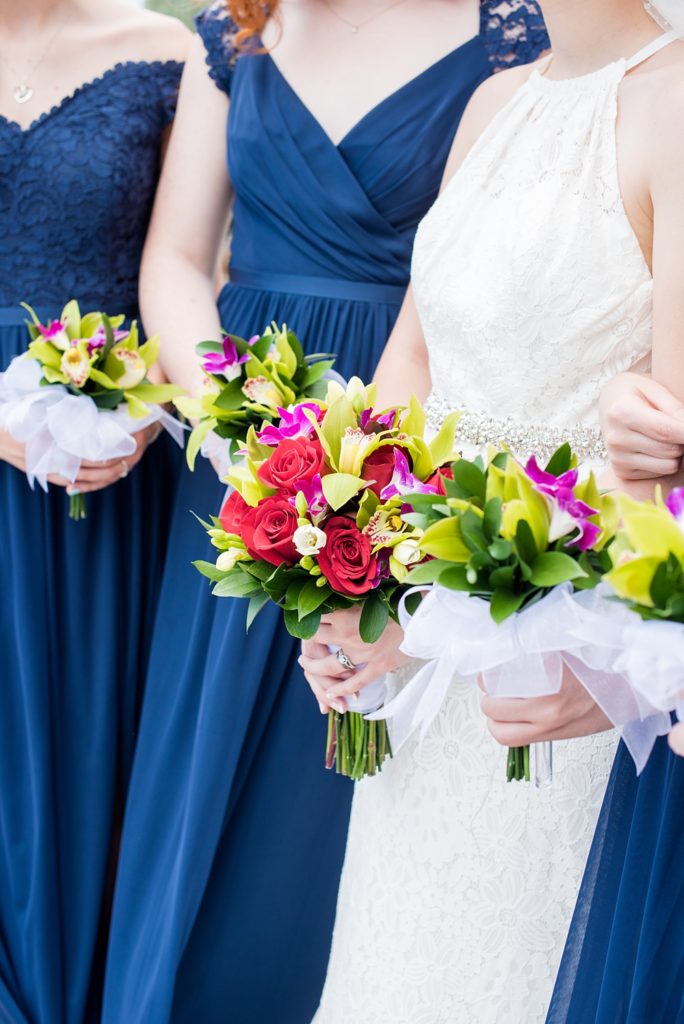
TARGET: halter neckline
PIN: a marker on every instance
(539, 75)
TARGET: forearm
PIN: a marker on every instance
(403, 369)
(190, 317)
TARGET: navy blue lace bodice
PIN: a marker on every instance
(77, 186)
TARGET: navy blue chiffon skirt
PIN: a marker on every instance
(624, 958)
(76, 616)
(235, 833)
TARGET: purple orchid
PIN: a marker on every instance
(293, 423)
(385, 419)
(403, 481)
(568, 513)
(99, 339)
(313, 495)
(226, 363)
(675, 505)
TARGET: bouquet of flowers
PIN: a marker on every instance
(81, 391)
(315, 524)
(647, 576)
(248, 383)
(508, 543)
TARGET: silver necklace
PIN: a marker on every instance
(355, 26)
(22, 91)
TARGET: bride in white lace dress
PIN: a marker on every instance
(532, 286)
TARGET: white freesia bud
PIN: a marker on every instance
(227, 560)
(134, 368)
(309, 540)
(407, 552)
(76, 365)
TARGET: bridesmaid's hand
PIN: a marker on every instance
(565, 715)
(676, 739)
(643, 427)
(95, 476)
(330, 681)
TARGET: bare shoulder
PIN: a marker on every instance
(486, 102)
(141, 34)
(653, 100)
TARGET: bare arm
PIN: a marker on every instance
(176, 284)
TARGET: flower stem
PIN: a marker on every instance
(77, 506)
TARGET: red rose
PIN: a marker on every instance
(346, 560)
(267, 531)
(294, 459)
(378, 468)
(438, 478)
(231, 515)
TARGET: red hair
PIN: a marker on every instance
(250, 16)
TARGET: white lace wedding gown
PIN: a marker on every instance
(458, 888)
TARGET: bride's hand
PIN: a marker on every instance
(569, 713)
(330, 681)
(643, 427)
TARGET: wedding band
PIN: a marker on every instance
(345, 660)
(124, 471)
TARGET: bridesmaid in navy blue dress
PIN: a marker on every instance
(624, 958)
(77, 178)
(234, 834)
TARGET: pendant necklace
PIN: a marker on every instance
(355, 26)
(22, 92)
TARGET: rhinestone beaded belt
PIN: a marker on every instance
(480, 429)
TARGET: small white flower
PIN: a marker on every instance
(227, 560)
(407, 552)
(309, 540)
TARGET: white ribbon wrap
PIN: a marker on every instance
(217, 449)
(523, 657)
(60, 430)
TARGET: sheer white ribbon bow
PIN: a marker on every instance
(60, 430)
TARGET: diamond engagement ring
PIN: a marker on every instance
(345, 660)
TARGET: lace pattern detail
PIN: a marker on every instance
(513, 32)
(217, 31)
(118, 119)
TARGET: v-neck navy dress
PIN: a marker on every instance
(234, 835)
(78, 599)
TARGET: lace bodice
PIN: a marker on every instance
(529, 280)
(76, 189)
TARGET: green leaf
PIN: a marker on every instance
(492, 518)
(470, 479)
(442, 446)
(554, 567)
(427, 572)
(209, 570)
(237, 584)
(310, 598)
(313, 374)
(156, 394)
(196, 439)
(501, 549)
(561, 460)
(255, 605)
(504, 603)
(472, 531)
(205, 347)
(374, 618)
(455, 578)
(525, 543)
(302, 629)
(231, 396)
(502, 579)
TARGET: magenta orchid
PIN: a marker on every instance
(675, 505)
(227, 363)
(385, 419)
(568, 513)
(99, 339)
(312, 491)
(403, 480)
(293, 423)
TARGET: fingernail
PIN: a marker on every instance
(322, 708)
(338, 705)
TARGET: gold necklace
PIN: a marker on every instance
(22, 91)
(356, 26)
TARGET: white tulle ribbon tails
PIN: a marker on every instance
(61, 430)
(523, 657)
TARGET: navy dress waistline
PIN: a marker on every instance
(319, 287)
(15, 316)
